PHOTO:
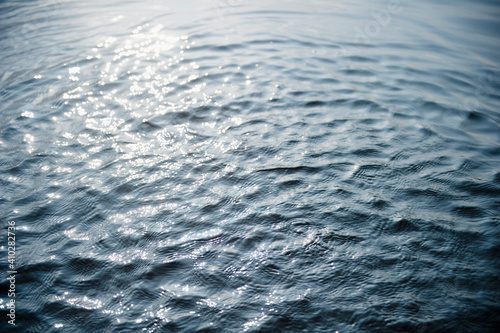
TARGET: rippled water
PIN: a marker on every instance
(234, 166)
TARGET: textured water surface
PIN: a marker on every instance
(260, 166)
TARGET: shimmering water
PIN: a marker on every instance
(251, 166)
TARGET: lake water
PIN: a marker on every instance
(250, 166)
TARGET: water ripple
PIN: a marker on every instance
(247, 167)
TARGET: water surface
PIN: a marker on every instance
(263, 166)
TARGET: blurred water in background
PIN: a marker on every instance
(251, 166)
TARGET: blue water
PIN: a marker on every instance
(251, 166)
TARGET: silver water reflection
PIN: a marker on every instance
(233, 166)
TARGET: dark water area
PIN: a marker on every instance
(250, 166)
